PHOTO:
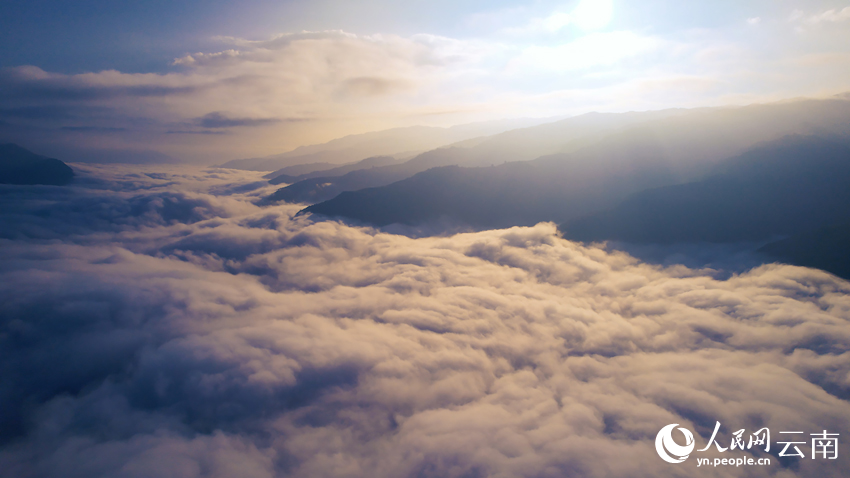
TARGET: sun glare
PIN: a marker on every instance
(592, 14)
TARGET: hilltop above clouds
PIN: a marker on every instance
(20, 166)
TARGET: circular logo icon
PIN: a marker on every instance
(669, 450)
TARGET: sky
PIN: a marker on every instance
(211, 81)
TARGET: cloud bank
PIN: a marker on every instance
(261, 90)
(159, 323)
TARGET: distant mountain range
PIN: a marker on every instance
(678, 148)
(516, 145)
(20, 166)
(689, 142)
(558, 188)
(397, 142)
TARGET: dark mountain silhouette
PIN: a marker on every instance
(289, 175)
(20, 166)
(785, 187)
(825, 248)
(690, 141)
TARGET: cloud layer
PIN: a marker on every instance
(161, 324)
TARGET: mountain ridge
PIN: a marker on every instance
(23, 167)
(691, 141)
(403, 141)
(790, 185)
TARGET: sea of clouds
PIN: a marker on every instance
(158, 323)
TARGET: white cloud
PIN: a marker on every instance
(830, 16)
(592, 14)
(588, 15)
(754, 21)
(329, 78)
(593, 50)
(556, 21)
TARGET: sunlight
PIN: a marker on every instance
(592, 50)
(592, 14)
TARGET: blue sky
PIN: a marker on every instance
(92, 35)
(126, 75)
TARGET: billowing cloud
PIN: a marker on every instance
(159, 323)
(269, 85)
